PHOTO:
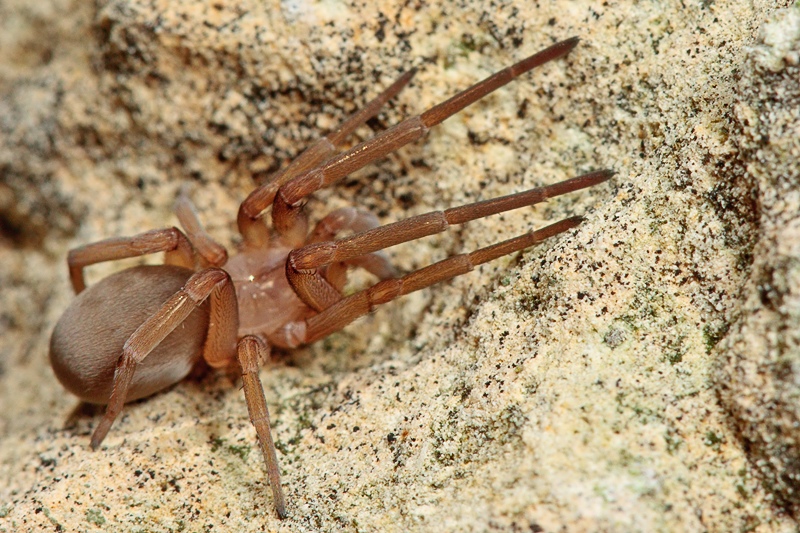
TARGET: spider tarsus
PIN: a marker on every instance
(591, 179)
(550, 53)
(99, 435)
(572, 42)
(405, 78)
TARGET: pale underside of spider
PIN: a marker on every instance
(145, 328)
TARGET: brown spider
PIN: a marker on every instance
(145, 328)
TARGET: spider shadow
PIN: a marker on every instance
(201, 395)
(201, 381)
(80, 419)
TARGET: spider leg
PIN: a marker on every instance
(251, 350)
(325, 285)
(356, 220)
(220, 345)
(303, 264)
(253, 230)
(339, 220)
(361, 303)
(376, 263)
(210, 251)
(287, 214)
(170, 240)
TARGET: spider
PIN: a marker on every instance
(145, 328)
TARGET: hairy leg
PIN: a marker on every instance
(303, 264)
(221, 339)
(251, 226)
(178, 250)
(251, 351)
(287, 213)
(348, 309)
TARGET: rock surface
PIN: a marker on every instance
(760, 373)
(636, 374)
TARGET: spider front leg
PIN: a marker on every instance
(361, 303)
(287, 215)
(251, 227)
(303, 264)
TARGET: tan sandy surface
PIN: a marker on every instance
(637, 374)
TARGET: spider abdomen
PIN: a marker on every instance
(88, 339)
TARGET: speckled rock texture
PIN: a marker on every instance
(636, 374)
(760, 376)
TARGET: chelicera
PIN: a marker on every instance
(143, 329)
